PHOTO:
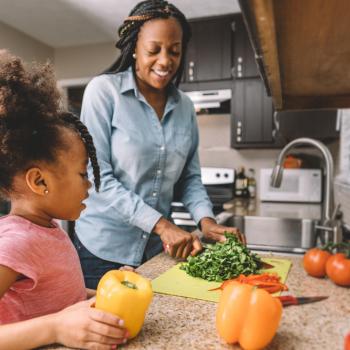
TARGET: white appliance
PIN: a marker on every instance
(219, 183)
(298, 185)
(209, 98)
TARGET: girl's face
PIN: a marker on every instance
(67, 181)
(158, 52)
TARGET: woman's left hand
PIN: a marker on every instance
(215, 232)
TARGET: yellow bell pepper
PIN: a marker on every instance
(127, 295)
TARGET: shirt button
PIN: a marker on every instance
(159, 171)
(162, 148)
(144, 236)
(154, 194)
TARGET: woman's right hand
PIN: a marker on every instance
(177, 242)
(84, 327)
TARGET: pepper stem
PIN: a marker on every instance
(129, 284)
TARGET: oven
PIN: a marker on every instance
(219, 183)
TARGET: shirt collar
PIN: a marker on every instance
(128, 83)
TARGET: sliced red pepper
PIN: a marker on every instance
(270, 282)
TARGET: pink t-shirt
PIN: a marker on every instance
(48, 260)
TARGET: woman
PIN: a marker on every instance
(146, 138)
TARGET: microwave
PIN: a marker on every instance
(298, 185)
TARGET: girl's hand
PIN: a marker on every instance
(215, 232)
(178, 243)
(81, 326)
(127, 268)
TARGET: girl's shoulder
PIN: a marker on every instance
(14, 234)
(9, 222)
(14, 226)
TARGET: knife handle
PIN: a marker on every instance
(288, 300)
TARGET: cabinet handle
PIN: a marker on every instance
(190, 70)
(233, 26)
(239, 67)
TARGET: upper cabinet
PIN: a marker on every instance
(219, 50)
(303, 48)
(244, 65)
(209, 55)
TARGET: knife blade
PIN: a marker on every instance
(288, 300)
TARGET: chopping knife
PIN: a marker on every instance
(288, 300)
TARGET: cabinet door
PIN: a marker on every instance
(243, 54)
(252, 115)
(209, 54)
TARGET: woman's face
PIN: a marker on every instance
(158, 52)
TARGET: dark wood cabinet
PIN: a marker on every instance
(220, 56)
(244, 64)
(219, 50)
(210, 56)
(251, 115)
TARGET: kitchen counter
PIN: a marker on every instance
(174, 323)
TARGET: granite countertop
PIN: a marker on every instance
(174, 323)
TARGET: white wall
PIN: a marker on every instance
(23, 45)
(84, 61)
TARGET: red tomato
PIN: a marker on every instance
(338, 269)
(347, 342)
(315, 261)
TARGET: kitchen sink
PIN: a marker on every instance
(293, 235)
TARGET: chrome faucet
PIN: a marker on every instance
(328, 217)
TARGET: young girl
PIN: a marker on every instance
(43, 159)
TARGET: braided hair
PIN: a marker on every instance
(31, 121)
(129, 30)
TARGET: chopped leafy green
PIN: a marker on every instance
(223, 261)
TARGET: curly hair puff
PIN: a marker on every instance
(31, 120)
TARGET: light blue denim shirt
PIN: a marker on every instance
(143, 162)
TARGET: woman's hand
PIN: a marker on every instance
(84, 327)
(215, 232)
(178, 243)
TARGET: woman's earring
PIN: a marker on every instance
(134, 56)
(46, 191)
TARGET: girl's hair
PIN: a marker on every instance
(31, 121)
(129, 30)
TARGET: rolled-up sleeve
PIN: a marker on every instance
(97, 112)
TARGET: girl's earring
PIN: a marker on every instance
(134, 56)
(46, 191)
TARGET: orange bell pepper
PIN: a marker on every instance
(127, 295)
(247, 315)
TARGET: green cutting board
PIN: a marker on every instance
(177, 282)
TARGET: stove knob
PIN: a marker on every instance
(217, 175)
(226, 175)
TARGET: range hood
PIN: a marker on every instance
(209, 98)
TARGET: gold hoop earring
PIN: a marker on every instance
(134, 56)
